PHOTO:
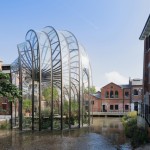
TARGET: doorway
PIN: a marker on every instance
(104, 108)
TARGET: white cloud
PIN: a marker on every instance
(116, 77)
(97, 88)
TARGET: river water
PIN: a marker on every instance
(105, 134)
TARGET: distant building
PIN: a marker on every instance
(96, 102)
(115, 98)
(4, 104)
(145, 36)
(136, 96)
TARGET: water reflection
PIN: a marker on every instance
(112, 129)
(104, 134)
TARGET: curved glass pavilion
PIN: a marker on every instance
(52, 71)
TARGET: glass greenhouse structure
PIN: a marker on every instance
(54, 76)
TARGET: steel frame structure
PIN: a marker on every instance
(52, 59)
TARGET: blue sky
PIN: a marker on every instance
(108, 29)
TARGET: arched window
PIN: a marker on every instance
(111, 94)
(106, 94)
(116, 94)
(135, 92)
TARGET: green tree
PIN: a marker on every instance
(27, 105)
(66, 107)
(74, 107)
(92, 90)
(7, 89)
(47, 94)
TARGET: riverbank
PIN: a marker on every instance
(144, 147)
(138, 135)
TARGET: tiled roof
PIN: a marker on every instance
(146, 29)
(97, 94)
(125, 86)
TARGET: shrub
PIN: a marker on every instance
(27, 122)
(132, 114)
(5, 125)
(45, 112)
(72, 120)
(129, 130)
(46, 123)
(138, 135)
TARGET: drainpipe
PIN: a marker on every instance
(123, 100)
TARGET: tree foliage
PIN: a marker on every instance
(92, 90)
(66, 107)
(47, 94)
(7, 89)
(27, 105)
(74, 107)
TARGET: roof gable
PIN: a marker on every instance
(111, 84)
(146, 29)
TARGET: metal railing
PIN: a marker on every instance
(144, 111)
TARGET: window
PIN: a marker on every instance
(107, 94)
(126, 94)
(5, 67)
(92, 102)
(111, 126)
(141, 92)
(4, 106)
(116, 94)
(136, 106)
(111, 94)
(147, 43)
(86, 102)
(116, 126)
(116, 107)
(135, 92)
(126, 107)
(86, 108)
(149, 72)
(111, 107)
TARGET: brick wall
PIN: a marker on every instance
(95, 103)
(113, 99)
(4, 106)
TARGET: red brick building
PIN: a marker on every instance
(4, 104)
(95, 102)
(136, 93)
(115, 98)
(145, 36)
